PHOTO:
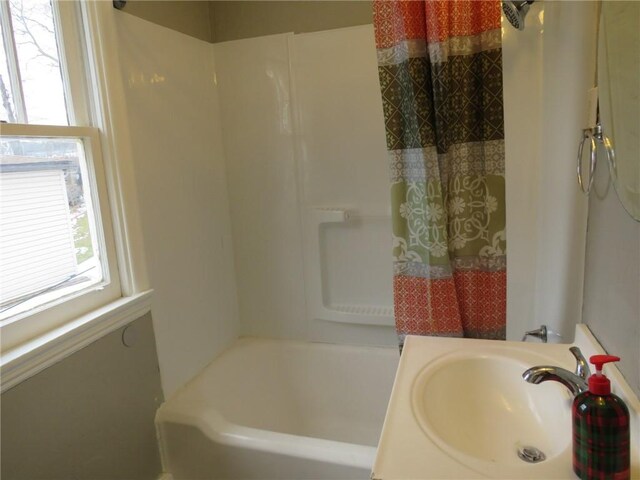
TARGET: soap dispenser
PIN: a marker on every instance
(601, 441)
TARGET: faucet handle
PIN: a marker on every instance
(582, 367)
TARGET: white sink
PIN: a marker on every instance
(478, 408)
(461, 409)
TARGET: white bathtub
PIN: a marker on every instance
(271, 409)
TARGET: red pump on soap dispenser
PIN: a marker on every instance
(600, 429)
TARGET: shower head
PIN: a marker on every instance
(515, 11)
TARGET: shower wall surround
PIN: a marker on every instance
(341, 153)
(568, 68)
(328, 155)
(296, 138)
(304, 140)
(171, 101)
(253, 84)
(548, 68)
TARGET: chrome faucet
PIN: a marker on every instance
(575, 382)
(540, 333)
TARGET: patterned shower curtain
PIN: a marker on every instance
(440, 68)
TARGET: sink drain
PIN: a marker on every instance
(531, 454)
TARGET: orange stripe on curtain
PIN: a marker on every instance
(433, 20)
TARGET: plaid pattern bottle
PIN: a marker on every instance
(601, 447)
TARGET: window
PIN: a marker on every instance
(57, 254)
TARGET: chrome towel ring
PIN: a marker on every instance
(594, 136)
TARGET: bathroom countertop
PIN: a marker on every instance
(405, 451)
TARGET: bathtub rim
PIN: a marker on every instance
(219, 430)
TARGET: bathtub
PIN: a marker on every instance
(272, 409)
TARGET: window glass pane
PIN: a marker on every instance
(7, 107)
(48, 240)
(35, 39)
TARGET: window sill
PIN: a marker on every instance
(30, 358)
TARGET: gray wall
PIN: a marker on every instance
(219, 21)
(186, 16)
(245, 19)
(611, 305)
(89, 416)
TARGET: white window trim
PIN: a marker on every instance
(12, 58)
(22, 327)
(41, 352)
(28, 358)
(104, 62)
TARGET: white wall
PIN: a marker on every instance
(255, 100)
(522, 86)
(343, 165)
(171, 101)
(569, 72)
(548, 69)
(302, 127)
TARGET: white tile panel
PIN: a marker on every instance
(172, 107)
(255, 99)
(548, 69)
(343, 154)
(343, 164)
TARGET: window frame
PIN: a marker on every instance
(23, 326)
(104, 133)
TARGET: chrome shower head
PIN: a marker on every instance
(515, 11)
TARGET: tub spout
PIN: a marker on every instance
(575, 382)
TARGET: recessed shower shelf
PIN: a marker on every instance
(319, 294)
(362, 310)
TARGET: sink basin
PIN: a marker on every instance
(478, 408)
(461, 409)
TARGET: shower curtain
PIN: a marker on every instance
(440, 68)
